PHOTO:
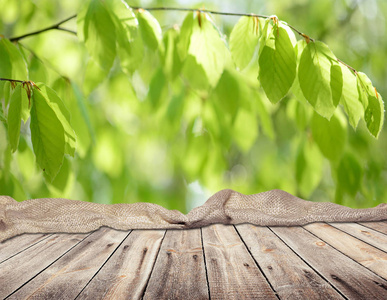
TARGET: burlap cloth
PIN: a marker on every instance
(272, 208)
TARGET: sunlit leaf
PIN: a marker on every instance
(127, 34)
(14, 117)
(11, 61)
(330, 136)
(2, 117)
(374, 115)
(227, 92)
(350, 98)
(150, 29)
(94, 76)
(80, 120)
(364, 87)
(349, 174)
(157, 88)
(207, 51)
(62, 113)
(245, 129)
(372, 102)
(244, 40)
(309, 164)
(277, 64)
(47, 135)
(170, 57)
(265, 119)
(185, 36)
(320, 78)
(97, 30)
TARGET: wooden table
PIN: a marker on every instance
(316, 261)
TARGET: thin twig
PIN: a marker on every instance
(55, 26)
(11, 80)
(348, 66)
(201, 10)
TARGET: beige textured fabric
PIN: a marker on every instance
(275, 208)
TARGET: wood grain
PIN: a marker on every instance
(368, 235)
(74, 269)
(378, 226)
(179, 272)
(289, 275)
(370, 257)
(21, 268)
(18, 244)
(126, 273)
(350, 278)
(232, 272)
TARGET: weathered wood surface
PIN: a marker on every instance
(316, 261)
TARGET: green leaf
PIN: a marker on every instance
(129, 44)
(309, 163)
(320, 78)
(349, 174)
(265, 119)
(244, 39)
(185, 36)
(374, 114)
(97, 30)
(245, 129)
(157, 89)
(350, 98)
(170, 57)
(47, 135)
(330, 136)
(364, 87)
(277, 64)
(207, 51)
(373, 104)
(80, 120)
(227, 92)
(25, 106)
(2, 117)
(150, 29)
(94, 76)
(14, 117)
(62, 114)
(7, 92)
(299, 113)
(11, 61)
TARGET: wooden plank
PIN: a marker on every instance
(289, 275)
(232, 272)
(18, 244)
(352, 279)
(17, 270)
(74, 269)
(179, 272)
(378, 226)
(365, 254)
(126, 273)
(368, 235)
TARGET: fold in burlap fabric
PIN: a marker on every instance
(272, 208)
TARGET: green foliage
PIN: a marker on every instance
(320, 78)
(14, 118)
(48, 134)
(277, 63)
(136, 108)
(243, 40)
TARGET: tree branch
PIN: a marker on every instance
(11, 80)
(55, 26)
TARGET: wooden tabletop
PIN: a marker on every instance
(316, 261)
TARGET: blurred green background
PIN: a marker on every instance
(132, 131)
